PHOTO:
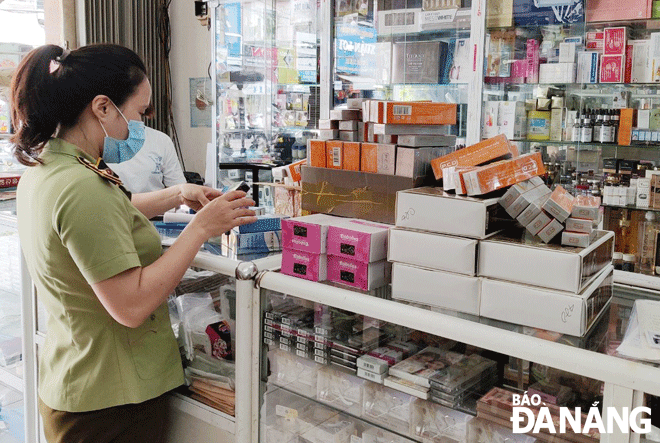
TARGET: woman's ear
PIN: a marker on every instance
(100, 106)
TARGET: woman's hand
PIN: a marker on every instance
(224, 213)
(196, 197)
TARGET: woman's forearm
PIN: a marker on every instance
(158, 202)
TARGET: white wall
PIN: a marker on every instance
(190, 57)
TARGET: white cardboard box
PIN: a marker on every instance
(436, 288)
(557, 311)
(433, 210)
(433, 251)
(550, 266)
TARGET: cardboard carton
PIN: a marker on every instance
(417, 113)
(353, 194)
(436, 288)
(558, 311)
(525, 260)
(425, 250)
(386, 159)
(433, 210)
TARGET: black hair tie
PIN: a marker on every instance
(65, 54)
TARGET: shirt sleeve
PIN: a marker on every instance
(172, 172)
(93, 223)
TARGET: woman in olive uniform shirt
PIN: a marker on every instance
(95, 259)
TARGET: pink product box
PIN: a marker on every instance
(533, 61)
(308, 233)
(360, 241)
(615, 41)
(360, 275)
(304, 265)
(611, 68)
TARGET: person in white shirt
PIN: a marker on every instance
(155, 166)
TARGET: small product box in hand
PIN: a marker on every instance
(358, 240)
(560, 204)
(308, 233)
(492, 149)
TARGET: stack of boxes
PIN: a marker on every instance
(493, 275)
(546, 213)
(321, 247)
(390, 138)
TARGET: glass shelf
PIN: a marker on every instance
(590, 145)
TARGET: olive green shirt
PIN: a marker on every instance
(76, 229)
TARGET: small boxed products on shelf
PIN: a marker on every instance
(480, 430)
(358, 240)
(308, 233)
(420, 367)
(499, 175)
(304, 265)
(264, 223)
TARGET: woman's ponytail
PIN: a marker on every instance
(34, 98)
(52, 87)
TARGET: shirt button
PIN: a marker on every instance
(152, 317)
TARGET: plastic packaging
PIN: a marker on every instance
(434, 423)
(388, 408)
(294, 373)
(341, 390)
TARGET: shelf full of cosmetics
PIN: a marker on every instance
(335, 375)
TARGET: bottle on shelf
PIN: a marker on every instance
(576, 129)
(629, 262)
(617, 261)
(600, 130)
(615, 121)
(586, 130)
(647, 233)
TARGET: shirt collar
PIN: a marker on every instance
(60, 146)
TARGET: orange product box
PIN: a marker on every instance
(488, 150)
(626, 122)
(369, 157)
(351, 156)
(459, 178)
(418, 113)
(503, 173)
(560, 204)
(294, 170)
(335, 154)
(316, 153)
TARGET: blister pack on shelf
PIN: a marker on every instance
(387, 407)
(434, 423)
(297, 374)
(341, 390)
